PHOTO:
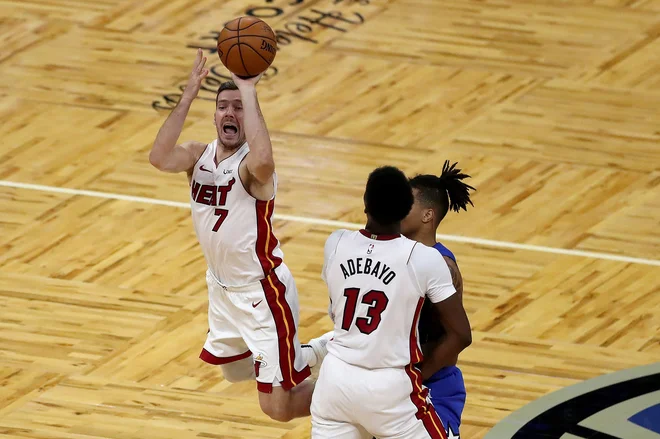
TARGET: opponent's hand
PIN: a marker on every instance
(244, 83)
(196, 77)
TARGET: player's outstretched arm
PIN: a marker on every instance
(165, 154)
(260, 163)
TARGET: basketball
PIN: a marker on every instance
(247, 46)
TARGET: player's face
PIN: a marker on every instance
(229, 119)
(413, 222)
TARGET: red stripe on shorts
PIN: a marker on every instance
(425, 411)
(212, 359)
(275, 292)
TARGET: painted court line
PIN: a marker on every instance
(341, 224)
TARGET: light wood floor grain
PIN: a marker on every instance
(551, 106)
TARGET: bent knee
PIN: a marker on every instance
(238, 371)
(277, 410)
(278, 413)
(234, 379)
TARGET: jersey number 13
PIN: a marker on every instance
(377, 301)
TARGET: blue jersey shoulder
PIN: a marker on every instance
(444, 251)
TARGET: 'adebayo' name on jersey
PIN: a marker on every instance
(378, 270)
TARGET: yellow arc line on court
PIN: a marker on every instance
(342, 224)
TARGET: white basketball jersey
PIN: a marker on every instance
(377, 286)
(234, 228)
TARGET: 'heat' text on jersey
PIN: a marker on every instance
(367, 266)
(209, 194)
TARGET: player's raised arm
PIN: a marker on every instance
(260, 163)
(434, 275)
(165, 154)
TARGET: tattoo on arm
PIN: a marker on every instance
(456, 277)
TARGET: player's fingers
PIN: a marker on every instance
(200, 64)
(198, 57)
(199, 76)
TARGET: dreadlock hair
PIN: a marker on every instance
(227, 85)
(444, 192)
(388, 196)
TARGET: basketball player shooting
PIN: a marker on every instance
(253, 301)
(434, 197)
(377, 281)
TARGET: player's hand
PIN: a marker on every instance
(196, 76)
(249, 82)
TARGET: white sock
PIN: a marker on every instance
(308, 355)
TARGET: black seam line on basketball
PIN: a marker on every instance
(238, 29)
(240, 54)
(244, 36)
(229, 50)
(238, 43)
(252, 48)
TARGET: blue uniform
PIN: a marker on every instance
(446, 386)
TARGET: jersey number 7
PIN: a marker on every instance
(377, 301)
(222, 215)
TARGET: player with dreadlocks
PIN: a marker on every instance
(434, 197)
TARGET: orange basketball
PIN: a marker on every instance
(247, 46)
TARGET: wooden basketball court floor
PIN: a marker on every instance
(552, 106)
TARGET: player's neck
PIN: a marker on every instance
(224, 152)
(378, 229)
(427, 238)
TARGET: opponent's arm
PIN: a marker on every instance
(259, 162)
(165, 154)
(456, 277)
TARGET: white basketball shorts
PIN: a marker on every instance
(351, 402)
(258, 320)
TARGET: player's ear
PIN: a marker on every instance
(428, 216)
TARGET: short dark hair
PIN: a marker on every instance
(444, 192)
(388, 196)
(227, 85)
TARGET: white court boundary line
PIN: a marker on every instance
(341, 224)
